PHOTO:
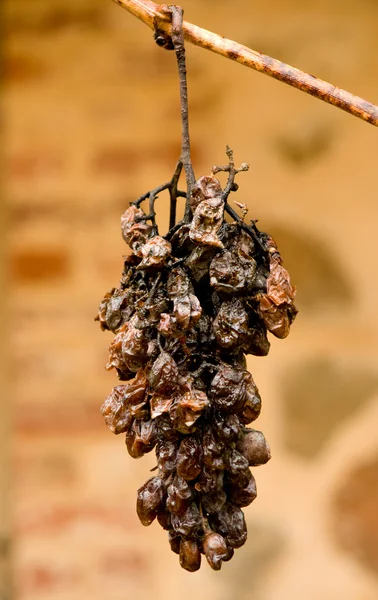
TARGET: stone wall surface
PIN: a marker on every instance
(92, 121)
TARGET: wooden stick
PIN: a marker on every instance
(151, 13)
(178, 45)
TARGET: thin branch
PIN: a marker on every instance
(251, 232)
(149, 12)
(173, 194)
(152, 196)
(231, 186)
(179, 47)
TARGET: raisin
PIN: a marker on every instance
(189, 308)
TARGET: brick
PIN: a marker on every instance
(51, 467)
(21, 68)
(118, 160)
(49, 17)
(32, 164)
(355, 514)
(57, 520)
(120, 562)
(318, 396)
(125, 160)
(28, 211)
(43, 578)
(39, 265)
(63, 418)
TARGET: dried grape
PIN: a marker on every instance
(189, 307)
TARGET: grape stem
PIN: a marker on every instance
(177, 42)
(231, 186)
(152, 195)
(151, 14)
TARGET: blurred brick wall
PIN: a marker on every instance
(5, 487)
(92, 121)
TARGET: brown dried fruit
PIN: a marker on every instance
(163, 375)
(166, 454)
(180, 495)
(150, 499)
(228, 389)
(252, 405)
(226, 273)
(187, 409)
(141, 438)
(135, 230)
(190, 556)
(188, 309)
(159, 405)
(254, 447)
(115, 411)
(207, 221)
(206, 187)
(174, 541)
(116, 359)
(187, 524)
(276, 307)
(231, 525)
(231, 325)
(215, 549)
(189, 458)
(135, 340)
(155, 253)
(243, 496)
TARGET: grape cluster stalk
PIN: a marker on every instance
(190, 306)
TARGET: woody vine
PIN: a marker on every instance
(151, 14)
(190, 306)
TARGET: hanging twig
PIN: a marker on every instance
(149, 13)
(152, 195)
(176, 42)
(173, 194)
(231, 186)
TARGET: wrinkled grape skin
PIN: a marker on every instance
(164, 519)
(254, 447)
(230, 523)
(189, 458)
(213, 501)
(115, 411)
(174, 541)
(215, 549)
(163, 375)
(166, 454)
(213, 451)
(190, 556)
(252, 405)
(228, 390)
(237, 463)
(243, 496)
(209, 480)
(189, 307)
(228, 429)
(229, 555)
(188, 523)
(150, 499)
(226, 273)
(141, 438)
(180, 495)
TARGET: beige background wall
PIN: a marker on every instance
(92, 121)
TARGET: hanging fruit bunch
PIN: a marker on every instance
(190, 306)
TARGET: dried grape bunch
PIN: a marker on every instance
(189, 307)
